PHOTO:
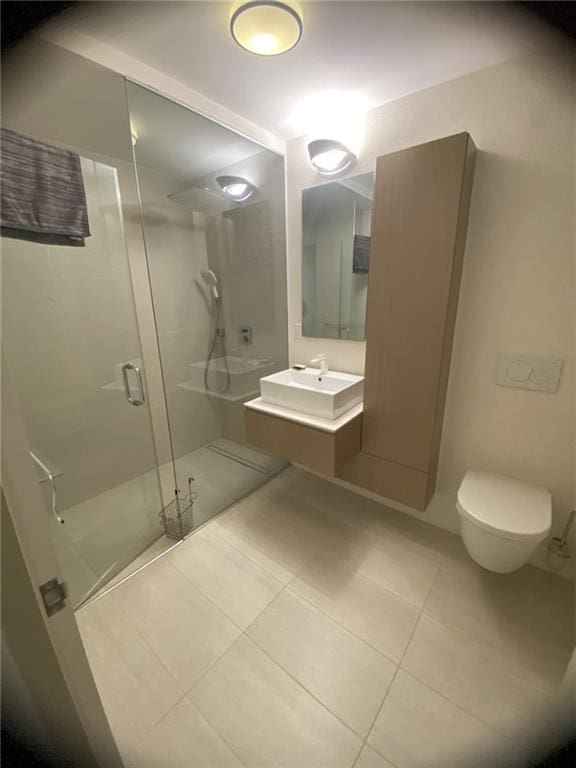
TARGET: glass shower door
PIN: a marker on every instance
(71, 336)
(72, 349)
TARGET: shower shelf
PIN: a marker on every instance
(191, 387)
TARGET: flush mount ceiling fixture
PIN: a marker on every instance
(266, 27)
(330, 157)
(236, 188)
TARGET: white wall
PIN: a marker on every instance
(517, 288)
(100, 53)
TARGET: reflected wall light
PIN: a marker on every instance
(266, 27)
(330, 157)
(236, 188)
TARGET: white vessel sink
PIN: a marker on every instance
(327, 396)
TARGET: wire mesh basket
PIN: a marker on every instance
(177, 517)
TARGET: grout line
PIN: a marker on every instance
(340, 624)
(156, 724)
(301, 685)
(217, 732)
(221, 610)
(160, 660)
(252, 560)
(145, 641)
(432, 585)
(344, 627)
(379, 710)
(455, 704)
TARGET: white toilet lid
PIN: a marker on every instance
(504, 506)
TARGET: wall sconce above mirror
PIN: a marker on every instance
(336, 230)
(330, 157)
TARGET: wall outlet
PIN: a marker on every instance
(541, 374)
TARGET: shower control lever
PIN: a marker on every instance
(127, 391)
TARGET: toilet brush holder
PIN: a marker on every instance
(558, 549)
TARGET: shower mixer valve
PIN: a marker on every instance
(246, 335)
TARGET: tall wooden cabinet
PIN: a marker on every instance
(420, 215)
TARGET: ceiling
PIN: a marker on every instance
(379, 50)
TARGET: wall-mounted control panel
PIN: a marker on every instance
(529, 372)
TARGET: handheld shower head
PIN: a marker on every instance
(211, 280)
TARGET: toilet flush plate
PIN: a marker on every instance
(541, 374)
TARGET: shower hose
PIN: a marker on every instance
(215, 336)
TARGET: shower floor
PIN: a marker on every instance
(114, 527)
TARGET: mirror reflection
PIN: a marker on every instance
(336, 221)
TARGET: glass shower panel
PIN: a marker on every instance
(218, 278)
(70, 334)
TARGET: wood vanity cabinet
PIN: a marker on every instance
(320, 451)
(420, 215)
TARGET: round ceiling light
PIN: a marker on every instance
(330, 157)
(266, 27)
(236, 188)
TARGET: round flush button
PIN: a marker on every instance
(539, 376)
(519, 371)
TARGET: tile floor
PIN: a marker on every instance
(122, 525)
(308, 626)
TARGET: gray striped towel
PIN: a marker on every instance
(42, 196)
(361, 254)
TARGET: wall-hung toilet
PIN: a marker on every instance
(502, 520)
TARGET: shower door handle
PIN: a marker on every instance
(127, 391)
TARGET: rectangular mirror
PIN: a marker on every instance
(336, 222)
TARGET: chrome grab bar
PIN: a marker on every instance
(52, 479)
(127, 391)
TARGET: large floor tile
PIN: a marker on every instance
(183, 739)
(345, 674)
(370, 759)
(239, 587)
(183, 627)
(393, 562)
(418, 727)
(267, 534)
(528, 615)
(266, 718)
(472, 674)
(369, 515)
(368, 611)
(136, 688)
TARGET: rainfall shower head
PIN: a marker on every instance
(201, 199)
(211, 279)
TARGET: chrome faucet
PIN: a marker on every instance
(322, 360)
